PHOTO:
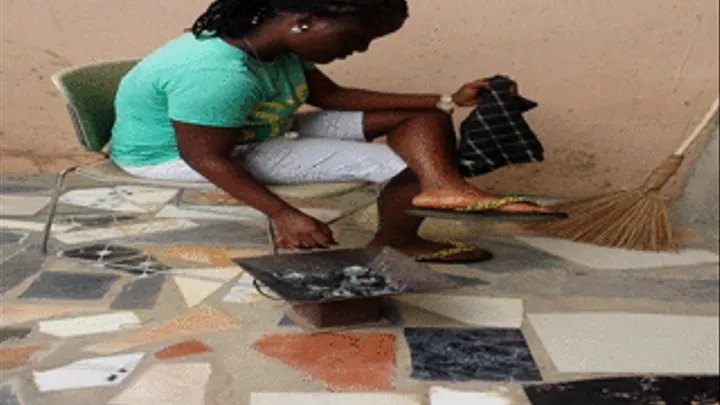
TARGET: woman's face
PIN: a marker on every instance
(328, 39)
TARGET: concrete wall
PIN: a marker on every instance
(619, 83)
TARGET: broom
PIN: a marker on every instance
(636, 219)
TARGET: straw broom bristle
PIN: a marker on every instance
(635, 219)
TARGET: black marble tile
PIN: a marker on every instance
(140, 293)
(138, 265)
(656, 390)
(18, 268)
(101, 252)
(11, 237)
(69, 286)
(13, 334)
(470, 354)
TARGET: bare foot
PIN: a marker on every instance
(466, 196)
(419, 247)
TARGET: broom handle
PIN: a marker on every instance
(698, 129)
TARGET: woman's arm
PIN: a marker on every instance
(208, 151)
(326, 94)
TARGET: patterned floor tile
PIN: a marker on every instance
(123, 199)
(138, 265)
(650, 390)
(94, 372)
(315, 398)
(123, 231)
(13, 333)
(243, 291)
(183, 349)
(195, 291)
(467, 281)
(197, 321)
(470, 354)
(214, 256)
(141, 293)
(168, 384)
(604, 258)
(69, 286)
(477, 311)
(20, 205)
(88, 325)
(348, 361)
(7, 188)
(13, 314)
(629, 287)
(17, 356)
(629, 343)
(18, 268)
(94, 221)
(101, 252)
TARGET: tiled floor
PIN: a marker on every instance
(140, 302)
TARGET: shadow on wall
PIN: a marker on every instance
(698, 205)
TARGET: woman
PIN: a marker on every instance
(216, 103)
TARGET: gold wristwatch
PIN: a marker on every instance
(446, 104)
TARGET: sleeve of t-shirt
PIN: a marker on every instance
(307, 65)
(212, 97)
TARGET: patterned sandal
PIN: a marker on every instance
(490, 209)
(445, 255)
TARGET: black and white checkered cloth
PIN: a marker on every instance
(495, 134)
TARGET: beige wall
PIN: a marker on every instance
(619, 82)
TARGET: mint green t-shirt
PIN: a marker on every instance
(204, 82)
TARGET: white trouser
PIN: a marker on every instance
(330, 147)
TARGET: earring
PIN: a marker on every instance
(300, 28)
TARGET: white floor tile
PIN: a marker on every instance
(171, 211)
(195, 291)
(95, 372)
(478, 311)
(444, 396)
(88, 325)
(273, 398)
(82, 236)
(148, 198)
(22, 205)
(168, 384)
(243, 291)
(222, 274)
(33, 226)
(604, 258)
(629, 343)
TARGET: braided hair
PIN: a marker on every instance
(235, 18)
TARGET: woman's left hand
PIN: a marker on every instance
(468, 95)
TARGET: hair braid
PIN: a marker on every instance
(235, 18)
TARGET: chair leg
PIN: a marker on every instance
(271, 237)
(59, 183)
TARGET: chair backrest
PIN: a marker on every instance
(89, 93)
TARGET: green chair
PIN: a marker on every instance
(89, 94)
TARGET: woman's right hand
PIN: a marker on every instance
(296, 230)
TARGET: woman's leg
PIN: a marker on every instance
(426, 141)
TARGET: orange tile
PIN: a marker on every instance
(197, 321)
(343, 361)
(183, 349)
(13, 357)
(216, 257)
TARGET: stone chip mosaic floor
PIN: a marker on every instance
(139, 302)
